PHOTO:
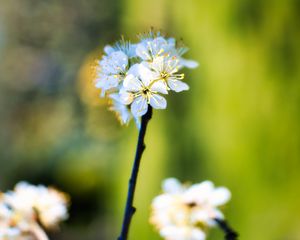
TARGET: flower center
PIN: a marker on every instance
(164, 75)
(191, 204)
(145, 91)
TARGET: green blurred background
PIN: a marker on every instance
(238, 125)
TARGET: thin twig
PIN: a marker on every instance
(130, 209)
(38, 232)
(230, 234)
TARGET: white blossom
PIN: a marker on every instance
(178, 52)
(141, 90)
(148, 49)
(166, 69)
(112, 70)
(134, 75)
(184, 212)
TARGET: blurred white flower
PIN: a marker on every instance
(23, 209)
(134, 75)
(47, 205)
(51, 207)
(186, 212)
(22, 199)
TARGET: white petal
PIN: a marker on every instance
(163, 201)
(172, 42)
(132, 83)
(149, 48)
(220, 196)
(134, 70)
(200, 215)
(114, 63)
(125, 97)
(158, 64)
(5, 212)
(160, 86)
(125, 116)
(102, 93)
(120, 60)
(99, 84)
(217, 214)
(197, 234)
(115, 97)
(139, 107)
(172, 185)
(146, 74)
(111, 82)
(207, 216)
(105, 82)
(108, 49)
(199, 193)
(171, 65)
(159, 46)
(188, 63)
(177, 86)
(158, 102)
(171, 232)
(142, 52)
(160, 219)
(132, 50)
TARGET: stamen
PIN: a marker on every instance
(160, 51)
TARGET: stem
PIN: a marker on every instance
(230, 234)
(130, 209)
(38, 232)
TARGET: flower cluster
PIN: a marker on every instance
(186, 212)
(22, 210)
(134, 76)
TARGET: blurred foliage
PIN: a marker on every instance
(238, 125)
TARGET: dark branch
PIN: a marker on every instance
(130, 209)
(230, 234)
